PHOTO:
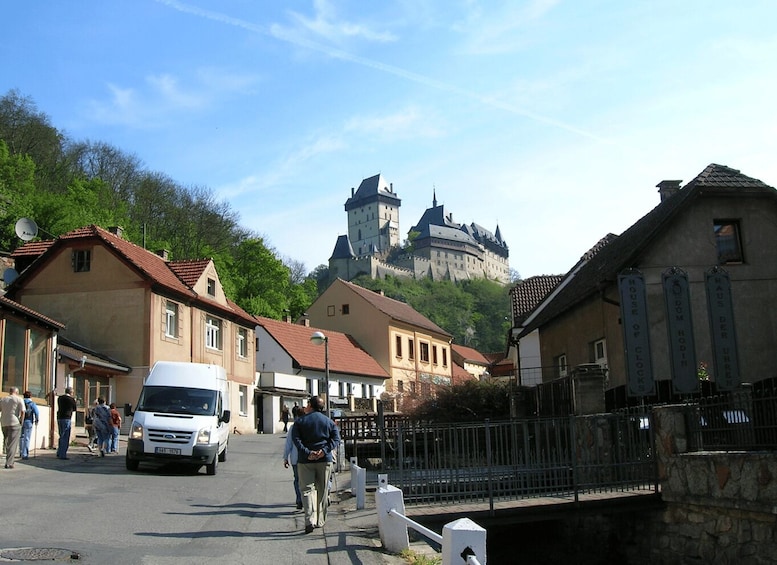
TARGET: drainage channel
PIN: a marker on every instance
(38, 554)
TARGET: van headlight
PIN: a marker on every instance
(203, 436)
(137, 431)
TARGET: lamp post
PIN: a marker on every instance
(318, 338)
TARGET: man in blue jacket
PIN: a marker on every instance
(31, 417)
(316, 437)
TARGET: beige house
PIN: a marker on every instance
(471, 360)
(721, 221)
(413, 350)
(135, 307)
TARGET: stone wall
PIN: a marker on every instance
(721, 507)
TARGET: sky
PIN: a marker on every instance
(553, 120)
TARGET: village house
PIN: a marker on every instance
(721, 225)
(124, 308)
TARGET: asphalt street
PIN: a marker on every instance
(90, 509)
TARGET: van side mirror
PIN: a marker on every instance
(127, 409)
(225, 416)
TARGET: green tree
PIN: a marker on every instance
(471, 401)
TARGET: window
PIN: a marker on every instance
(728, 241)
(243, 399)
(82, 260)
(401, 386)
(330, 310)
(171, 319)
(412, 387)
(600, 353)
(212, 333)
(38, 369)
(444, 357)
(424, 352)
(410, 349)
(242, 342)
(346, 309)
(434, 354)
(341, 389)
(398, 346)
(211, 287)
(561, 365)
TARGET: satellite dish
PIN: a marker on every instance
(26, 229)
(9, 276)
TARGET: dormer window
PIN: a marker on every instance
(82, 260)
(212, 287)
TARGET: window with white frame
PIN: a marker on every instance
(82, 260)
(211, 287)
(212, 332)
(243, 399)
(242, 343)
(172, 317)
(600, 353)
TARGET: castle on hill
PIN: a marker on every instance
(438, 247)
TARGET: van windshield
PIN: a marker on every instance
(178, 400)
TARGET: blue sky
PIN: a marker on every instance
(552, 119)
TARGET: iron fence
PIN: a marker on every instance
(745, 419)
(492, 461)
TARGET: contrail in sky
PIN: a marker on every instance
(389, 69)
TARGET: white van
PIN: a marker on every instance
(182, 415)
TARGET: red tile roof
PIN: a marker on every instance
(189, 270)
(32, 248)
(150, 265)
(395, 309)
(527, 294)
(460, 375)
(469, 354)
(345, 354)
(30, 313)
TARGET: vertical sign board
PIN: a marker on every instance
(679, 328)
(636, 334)
(724, 339)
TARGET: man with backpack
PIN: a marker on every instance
(31, 417)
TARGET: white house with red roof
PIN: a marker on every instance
(291, 367)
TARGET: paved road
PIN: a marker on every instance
(93, 507)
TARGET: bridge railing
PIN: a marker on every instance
(489, 461)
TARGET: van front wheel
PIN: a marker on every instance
(210, 468)
(131, 464)
(223, 454)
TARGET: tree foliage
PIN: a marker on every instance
(475, 312)
(471, 401)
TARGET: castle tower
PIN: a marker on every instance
(373, 217)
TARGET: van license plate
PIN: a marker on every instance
(168, 450)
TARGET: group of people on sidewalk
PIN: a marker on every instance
(17, 418)
(310, 450)
(103, 424)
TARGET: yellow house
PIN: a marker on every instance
(412, 349)
(136, 307)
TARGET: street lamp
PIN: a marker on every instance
(317, 339)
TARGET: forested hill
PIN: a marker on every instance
(63, 184)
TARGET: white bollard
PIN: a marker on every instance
(358, 483)
(393, 532)
(463, 537)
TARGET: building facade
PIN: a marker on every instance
(135, 307)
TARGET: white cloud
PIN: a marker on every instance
(325, 24)
(408, 123)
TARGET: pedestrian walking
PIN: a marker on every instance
(11, 418)
(66, 405)
(115, 428)
(31, 417)
(290, 457)
(103, 425)
(285, 418)
(316, 437)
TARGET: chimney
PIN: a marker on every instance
(117, 231)
(391, 187)
(668, 188)
(353, 191)
(164, 254)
